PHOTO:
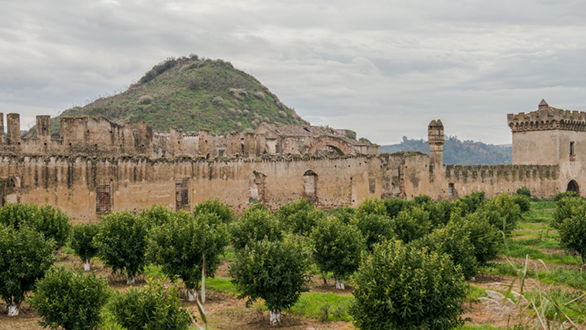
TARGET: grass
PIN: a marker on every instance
(223, 284)
(323, 306)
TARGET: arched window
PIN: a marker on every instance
(573, 186)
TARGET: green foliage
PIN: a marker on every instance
(524, 191)
(299, 217)
(403, 288)
(180, 245)
(523, 201)
(255, 225)
(121, 242)
(371, 206)
(502, 212)
(156, 216)
(182, 91)
(82, 241)
(337, 247)
(573, 233)
(270, 270)
(51, 222)
(422, 199)
(566, 208)
(566, 194)
(440, 212)
(486, 239)
(152, 307)
(25, 256)
(396, 205)
(411, 224)
(374, 228)
(470, 203)
(323, 306)
(214, 206)
(344, 214)
(69, 300)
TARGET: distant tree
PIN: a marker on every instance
(255, 225)
(337, 248)
(214, 206)
(405, 288)
(69, 300)
(270, 270)
(188, 246)
(152, 307)
(82, 242)
(121, 243)
(25, 256)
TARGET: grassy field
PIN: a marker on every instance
(533, 275)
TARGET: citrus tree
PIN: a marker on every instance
(82, 242)
(255, 225)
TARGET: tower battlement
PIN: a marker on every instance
(547, 118)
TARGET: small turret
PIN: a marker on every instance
(436, 140)
(543, 105)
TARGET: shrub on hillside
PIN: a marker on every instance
(121, 243)
(50, 221)
(337, 248)
(69, 300)
(404, 288)
(573, 232)
(82, 242)
(188, 247)
(151, 307)
(270, 270)
(524, 191)
(25, 256)
(214, 206)
(411, 224)
(255, 225)
(145, 99)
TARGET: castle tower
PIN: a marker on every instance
(43, 127)
(436, 140)
(13, 122)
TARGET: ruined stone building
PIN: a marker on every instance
(95, 166)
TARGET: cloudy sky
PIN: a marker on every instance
(382, 68)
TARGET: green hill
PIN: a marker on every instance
(459, 152)
(190, 93)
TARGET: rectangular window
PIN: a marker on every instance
(451, 190)
(572, 151)
(182, 195)
(103, 200)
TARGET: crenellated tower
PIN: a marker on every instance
(436, 140)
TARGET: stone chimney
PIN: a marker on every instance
(13, 122)
(436, 140)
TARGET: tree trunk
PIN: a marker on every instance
(203, 280)
(13, 310)
(275, 317)
(86, 266)
(340, 285)
(130, 280)
(191, 294)
(324, 278)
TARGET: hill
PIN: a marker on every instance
(459, 152)
(190, 93)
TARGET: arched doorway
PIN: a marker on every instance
(310, 185)
(573, 186)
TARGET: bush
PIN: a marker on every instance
(566, 208)
(270, 270)
(523, 201)
(371, 206)
(402, 288)
(25, 256)
(566, 194)
(223, 211)
(69, 300)
(156, 216)
(396, 205)
(374, 228)
(502, 212)
(255, 225)
(344, 214)
(486, 239)
(573, 232)
(524, 191)
(439, 212)
(337, 248)
(82, 242)
(151, 307)
(422, 199)
(47, 220)
(121, 243)
(145, 99)
(411, 224)
(470, 203)
(187, 244)
(298, 217)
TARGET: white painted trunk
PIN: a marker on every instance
(13, 310)
(130, 280)
(203, 280)
(340, 285)
(274, 317)
(191, 294)
(86, 266)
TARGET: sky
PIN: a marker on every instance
(381, 68)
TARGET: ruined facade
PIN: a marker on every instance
(95, 166)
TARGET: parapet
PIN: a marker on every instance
(547, 118)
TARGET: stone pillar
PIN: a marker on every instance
(2, 136)
(436, 141)
(43, 127)
(13, 122)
